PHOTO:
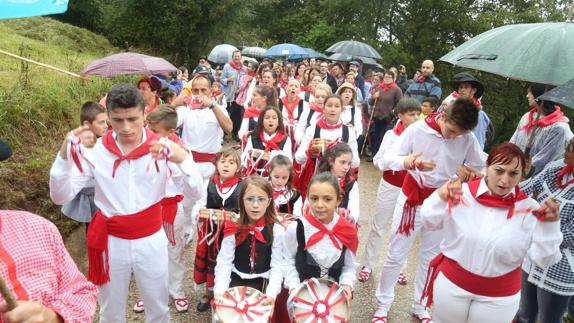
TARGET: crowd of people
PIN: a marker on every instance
(259, 164)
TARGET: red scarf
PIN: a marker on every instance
(343, 231)
(173, 137)
(243, 231)
(476, 101)
(290, 106)
(386, 87)
(251, 112)
(305, 88)
(216, 94)
(155, 105)
(273, 143)
(235, 67)
(317, 109)
(225, 184)
(431, 122)
(109, 142)
(563, 172)
(399, 128)
(496, 201)
(547, 120)
(321, 123)
(421, 79)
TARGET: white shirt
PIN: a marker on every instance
(225, 266)
(201, 130)
(244, 128)
(483, 241)
(311, 96)
(347, 116)
(133, 189)
(386, 150)
(446, 153)
(246, 153)
(324, 253)
(302, 124)
(301, 153)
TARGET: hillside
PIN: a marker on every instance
(38, 106)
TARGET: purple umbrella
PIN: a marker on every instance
(128, 63)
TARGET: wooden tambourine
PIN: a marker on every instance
(217, 215)
(319, 145)
(242, 304)
(320, 300)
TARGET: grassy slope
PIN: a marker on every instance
(38, 106)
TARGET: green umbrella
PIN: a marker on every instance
(541, 52)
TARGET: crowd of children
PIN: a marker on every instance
(282, 206)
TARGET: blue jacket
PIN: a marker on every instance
(430, 87)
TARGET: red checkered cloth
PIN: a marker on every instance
(37, 267)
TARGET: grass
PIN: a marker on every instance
(38, 106)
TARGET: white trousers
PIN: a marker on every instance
(399, 246)
(453, 304)
(147, 259)
(387, 195)
(206, 170)
(176, 253)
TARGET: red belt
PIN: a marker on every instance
(395, 178)
(132, 226)
(202, 157)
(415, 197)
(168, 213)
(499, 286)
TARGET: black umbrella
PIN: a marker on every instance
(354, 48)
(563, 94)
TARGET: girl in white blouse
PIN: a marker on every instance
(489, 227)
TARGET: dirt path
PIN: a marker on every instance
(364, 302)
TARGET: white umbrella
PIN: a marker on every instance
(256, 52)
(221, 54)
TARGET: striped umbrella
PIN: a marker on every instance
(128, 63)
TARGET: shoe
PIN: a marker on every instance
(423, 317)
(364, 274)
(402, 279)
(379, 319)
(204, 304)
(139, 306)
(181, 304)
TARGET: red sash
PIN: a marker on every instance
(415, 197)
(395, 178)
(563, 172)
(110, 143)
(547, 120)
(130, 227)
(202, 157)
(168, 213)
(500, 286)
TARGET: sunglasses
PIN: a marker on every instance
(256, 200)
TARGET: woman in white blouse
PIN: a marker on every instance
(489, 227)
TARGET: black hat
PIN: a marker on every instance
(465, 77)
(201, 70)
(5, 151)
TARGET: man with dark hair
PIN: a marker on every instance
(432, 152)
(355, 66)
(126, 234)
(427, 84)
(327, 77)
(232, 72)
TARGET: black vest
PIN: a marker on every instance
(307, 96)
(309, 116)
(345, 201)
(214, 201)
(345, 137)
(299, 108)
(288, 207)
(263, 253)
(252, 123)
(306, 265)
(353, 116)
(257, 143)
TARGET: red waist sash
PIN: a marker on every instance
(131, 227)
(202, 157)
(168, 213)
(415, 197)
(499, 286)
(395, 178)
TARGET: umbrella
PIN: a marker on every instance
(540, 52)
(354, 48)
(255, 52)
(286, 50)
(348, 58)
(248, 59)
(563, 94)
(221, 54)
(314, 54)
(128, 63)
(20, 9)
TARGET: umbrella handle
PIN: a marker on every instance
(7, 295)
(369, 127)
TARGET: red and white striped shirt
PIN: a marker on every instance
(37, 267)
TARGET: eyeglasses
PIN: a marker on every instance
(256, 200)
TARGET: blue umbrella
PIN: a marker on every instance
(286, 50)
(29, 8)
(315, 54)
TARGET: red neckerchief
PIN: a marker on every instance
(421, 79)
(277, 193)
(243, 231)
(476, 101)
(109, 142)
(273, 143)
(386, 87)
(173, 137)
(547, 120)
(317, 109)
(431, 122)
(251, 112)
(343, 231)
(496, 201)
(216, 94)
(321, 123)
(304, 88)
(290, 106)
(563, 172)
(235, 67)
(225, 184)
(399, 128)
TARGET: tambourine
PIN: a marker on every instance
(242, 304)
(217, 215)
(320, 300)
(319, 145)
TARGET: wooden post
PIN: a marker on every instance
(43, 65)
